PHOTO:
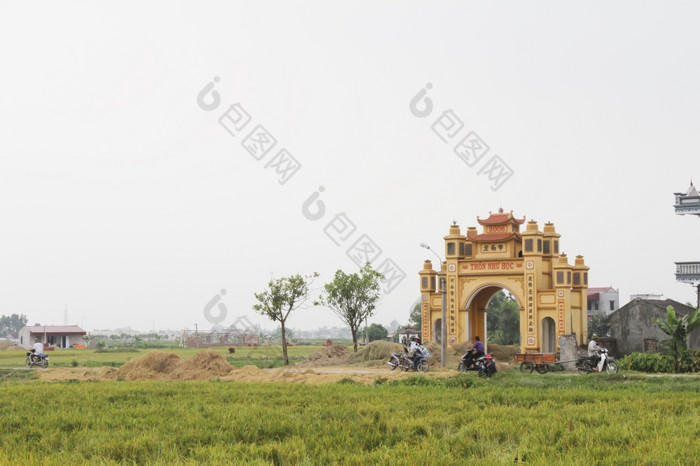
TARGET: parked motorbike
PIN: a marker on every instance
(585, 365)
(34, 359)
(403, 361)
(468, 363)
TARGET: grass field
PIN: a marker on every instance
(514, 417)
(261, 356)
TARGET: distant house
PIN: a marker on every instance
(62, 336)
(603, 300)
(406, 332)
(634, 330)
(223, 337)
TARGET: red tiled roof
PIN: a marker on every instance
(600, 289)
(594, 296)
(56, 329)
(494, 237)
(501, 219)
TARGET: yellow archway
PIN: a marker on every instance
(527, 264)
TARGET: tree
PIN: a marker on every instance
(678, 329)
(503, 320)
(377, 332)
(12, 323)
(598, 325)
(282, 296)
(353, 297)
(88, 338)
(416, 315)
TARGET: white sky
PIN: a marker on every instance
(122, 198)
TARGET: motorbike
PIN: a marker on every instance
(585, 365)
(403, 361)
(34, 359)
(468, 363)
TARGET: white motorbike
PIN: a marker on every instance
(585, 365)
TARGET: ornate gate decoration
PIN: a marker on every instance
(528, 264)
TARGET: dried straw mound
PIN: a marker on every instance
(15, 347)
(503, 353)
(207, 364)
(154, 365)
(5, 344)
(327, 356)
(375, 351)
(245, 374)
(459, 349)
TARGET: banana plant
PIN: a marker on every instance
(678, 330)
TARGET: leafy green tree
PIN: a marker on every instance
(281, 297)
(377, 332)
(598, 325)
(12, 323)
(678, 329)
(416, 315)
(88, 338)
(503, 319)
(353, 297)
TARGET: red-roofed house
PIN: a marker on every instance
(62, 336)
(603, 300)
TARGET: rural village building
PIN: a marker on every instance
(551, 293)
(634, 330)
(603, 300)
(62, 336)
(222, 337)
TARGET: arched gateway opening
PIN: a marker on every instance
(551, 294)
(484, 310)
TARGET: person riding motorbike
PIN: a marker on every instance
(37, 350)
(476, 351)
(416, 350)
(594, 353)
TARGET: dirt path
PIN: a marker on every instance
(306, 375)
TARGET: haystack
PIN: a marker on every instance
(207, 364)
(154, 365)
(334, 355)
(15, 348)
(376, 351)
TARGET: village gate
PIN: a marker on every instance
(551, 294)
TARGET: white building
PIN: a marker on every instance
(62, 336)
(603, 300)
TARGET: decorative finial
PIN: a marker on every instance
(500, 210)
(454, 222)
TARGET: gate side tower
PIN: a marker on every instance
(551, 294)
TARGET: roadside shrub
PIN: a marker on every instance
(647, 362)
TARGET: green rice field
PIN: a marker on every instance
(511, 418)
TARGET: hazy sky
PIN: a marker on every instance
(139, 176)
